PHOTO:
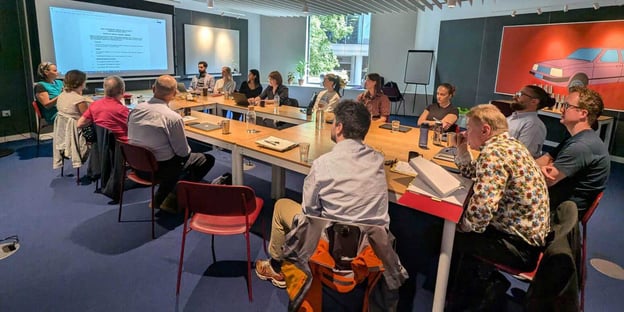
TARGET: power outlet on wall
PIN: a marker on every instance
(6, 113)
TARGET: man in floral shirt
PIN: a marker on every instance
(507, 218)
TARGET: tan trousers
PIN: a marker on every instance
(283, 215)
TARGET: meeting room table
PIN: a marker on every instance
(395, 146)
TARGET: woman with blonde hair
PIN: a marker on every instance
(226, 83)
(47, 90)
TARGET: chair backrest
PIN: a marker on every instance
(591, 209)
(138, 157)
(38, 116)
(216, 199)
(36, 109)
(391, 90)
(503, 106)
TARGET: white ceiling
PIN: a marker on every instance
(293, 8)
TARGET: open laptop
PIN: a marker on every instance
(181, 87)
(240, 99)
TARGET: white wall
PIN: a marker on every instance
(392, 35)
(282, 45)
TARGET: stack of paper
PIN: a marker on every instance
(442, 182)
(276, 143)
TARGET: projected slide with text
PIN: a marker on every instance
(103, 42)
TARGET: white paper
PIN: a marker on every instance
(457, 197)
(403, 167)
(437, 178)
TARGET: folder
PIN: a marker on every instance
(437, 178)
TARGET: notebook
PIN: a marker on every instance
(240, 99)
(435, 177)
(204, 126)
(389, 127)
(276, 144)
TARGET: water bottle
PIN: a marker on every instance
(319, 116)
(277, 104)
(437, 133)
(250, 119)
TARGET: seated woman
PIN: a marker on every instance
(47, 90)
(70, 102)
(226, 83)
(252, 87)
(442, 110)
(329, 98)
(67, 141)
(275, 87)
(373, 98)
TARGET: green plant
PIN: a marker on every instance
(291, 76)
(301, 68)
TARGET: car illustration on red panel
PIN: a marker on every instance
(585, 66)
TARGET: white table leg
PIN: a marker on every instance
(237, 166)
(444, 265)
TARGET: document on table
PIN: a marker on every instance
(276, 143)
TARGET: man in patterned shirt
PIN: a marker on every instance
(507, 218)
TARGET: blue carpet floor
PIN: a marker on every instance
(75, 256)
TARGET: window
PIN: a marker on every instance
(338, 44)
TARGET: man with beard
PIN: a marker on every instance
(204, 79)
(524, 124)
(346, 184)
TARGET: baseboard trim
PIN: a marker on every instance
(18, 137)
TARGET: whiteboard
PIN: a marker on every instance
(418, 66)
(217, 46)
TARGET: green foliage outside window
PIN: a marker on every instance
(325, 30)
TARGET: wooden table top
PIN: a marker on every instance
(238, 129)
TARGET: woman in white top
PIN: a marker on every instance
(71, 102)
(329, 98)
(226, 83)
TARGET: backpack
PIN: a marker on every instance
(311, 104)
(391, 90)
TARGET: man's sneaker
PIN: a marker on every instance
(266, 273)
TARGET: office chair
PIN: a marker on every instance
(218, 210)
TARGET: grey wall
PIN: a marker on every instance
(282, 45)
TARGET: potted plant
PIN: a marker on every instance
(301, 69)
(291, 77)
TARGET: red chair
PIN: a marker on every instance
(584, 221)
(141, 159)
(218, 210)
(39, 122)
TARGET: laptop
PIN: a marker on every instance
(240, 99)
(181, 87)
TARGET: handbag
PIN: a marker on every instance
(88, 133)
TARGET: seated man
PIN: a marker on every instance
(346, 184)
(507, 218)
(524, 124)
(204, 80)
(154, 126)
(578, 169)
(109, 112)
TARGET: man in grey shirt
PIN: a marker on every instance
(346, 184)
(524, 124)
(154, 125)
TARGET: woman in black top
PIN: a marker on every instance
(252, 87)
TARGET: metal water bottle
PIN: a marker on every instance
(437, 133)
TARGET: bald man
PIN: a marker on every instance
(153, 125)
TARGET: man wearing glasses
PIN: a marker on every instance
(524, 124)
(578, 169)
